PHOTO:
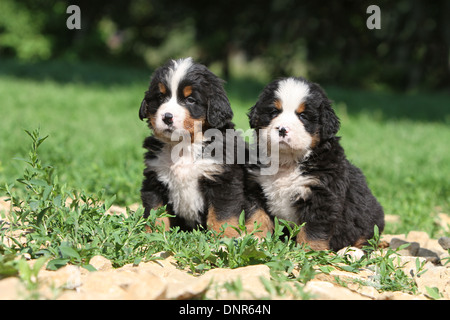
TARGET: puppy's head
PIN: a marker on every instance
(295, 112)
(184, 94)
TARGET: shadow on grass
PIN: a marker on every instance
(379, 105)
(421, 106)
(89, 72)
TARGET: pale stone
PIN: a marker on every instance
(353, 253)
(134, 207)
(116, 210)
(103, 285)
(179, 284)
(250, 278)
(189, 289)
(11, 288)
(363, 274)
(68, 277)
(411, 250)
(418, 236)
(444, 242)
(438, 277)
(100, 263)
(398, 295)
(163, 268)
(388, 237)
(147, 286)
(323, 290)
(4, 206)
(367, 291)
(408, 264)
(121, 285)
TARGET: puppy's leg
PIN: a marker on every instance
(321, 214)
(215, 222)
(315, 244)
(159, 221)
(263, 221)
(151, 195)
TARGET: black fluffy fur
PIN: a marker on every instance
(341, 208)
(225, 192)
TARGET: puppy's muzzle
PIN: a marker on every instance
(282, 131)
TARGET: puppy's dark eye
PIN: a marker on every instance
(303, 116)
(159, 96)
(274, 112)
(190, 100)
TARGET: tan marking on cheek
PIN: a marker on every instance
(162, 88)
(194, 126)
(314, 244)
(152, 119)
(216, 224)
(187, 91)
(315, 140)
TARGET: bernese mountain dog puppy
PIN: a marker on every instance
(184, 101)
(315, 183)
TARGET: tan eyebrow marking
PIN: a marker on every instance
(301, 108)
(277, 104)
(187, 91)
(162, 88)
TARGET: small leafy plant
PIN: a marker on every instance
(69, 226)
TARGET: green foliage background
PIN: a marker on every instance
(326, 41)
(83, 87)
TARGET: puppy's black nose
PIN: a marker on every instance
(282, 132)
(168, 118)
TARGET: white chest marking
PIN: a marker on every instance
(182, 177)
(283, 189)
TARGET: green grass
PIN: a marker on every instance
(92, 125)
(90, 112)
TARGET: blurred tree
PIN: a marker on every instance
(21, 31)
(411, 49)
(328, 42)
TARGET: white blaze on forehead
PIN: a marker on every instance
(175, 74)
(178, 72)
(292, 93)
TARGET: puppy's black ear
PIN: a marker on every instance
(143, 110)
(219, 111)
(329, 121)
(252, 117)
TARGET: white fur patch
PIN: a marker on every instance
(288, 185)
(180, 69)
(181, 176)
(283, 189)
(291, 93)
(173, 78)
